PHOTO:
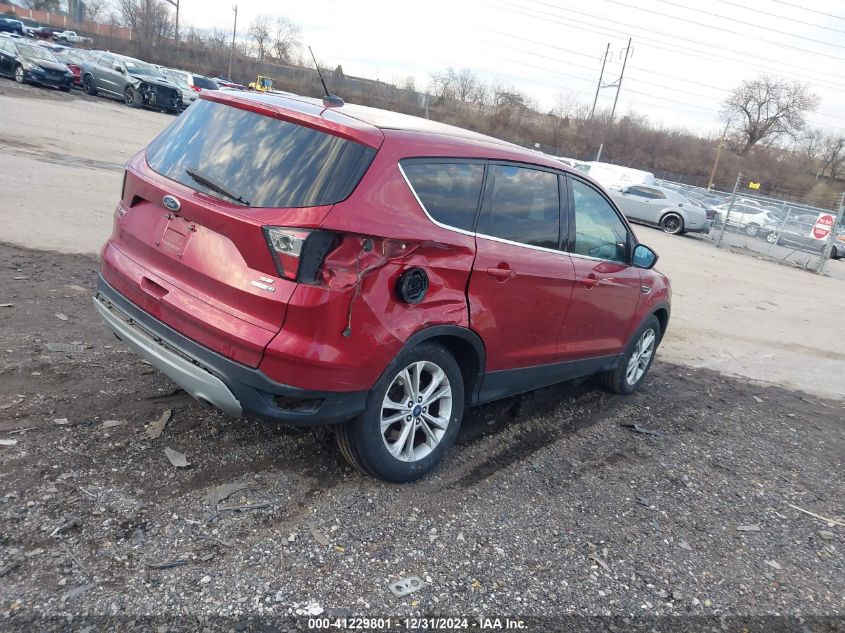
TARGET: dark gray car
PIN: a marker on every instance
(137, 83)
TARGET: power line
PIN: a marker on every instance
(678, 49)
(798, 6)
(724, 30)
(755, 26)
(781, 16)
(674, 89)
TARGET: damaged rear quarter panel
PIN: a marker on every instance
(312, 344)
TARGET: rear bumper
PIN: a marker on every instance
(214, 379)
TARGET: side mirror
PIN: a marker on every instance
(118, 68)
(644, 257)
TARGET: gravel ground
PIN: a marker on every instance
(546, 508)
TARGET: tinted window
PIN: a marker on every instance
(646, 192)
(524, 207)
(204, 82)
(599, 232)
(448, 191)
(264, 161)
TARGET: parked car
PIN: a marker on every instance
(73, 58)
(283, 259)
(198, 83)
(44, 32)
(663, 208)
(71, 37)
(615, 176)
(754, 220)
(9, 25)
(188, 94)
(28, 63)
(137, 83)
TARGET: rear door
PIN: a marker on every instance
(522, 280)
(607, 289)
(7, 57)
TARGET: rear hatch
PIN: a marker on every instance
(194, 232)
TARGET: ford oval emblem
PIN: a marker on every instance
(171, 203)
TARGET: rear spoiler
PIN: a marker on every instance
(329, 120)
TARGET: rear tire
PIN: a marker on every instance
(635, 362)
(672, 223)
(20, 75)
(88, 86)
(405, 442)
(752, 230)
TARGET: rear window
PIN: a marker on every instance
(205, 83)
(261, 160)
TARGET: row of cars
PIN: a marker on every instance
(678, 208)
(135, 82)
(784, 224)
(17, 27)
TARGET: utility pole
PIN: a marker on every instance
(601, 75)
(232, 50)
(619, 82)
(175, 3)
(718, 153)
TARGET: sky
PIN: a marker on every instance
(686, 55)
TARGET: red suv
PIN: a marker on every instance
(283, 259)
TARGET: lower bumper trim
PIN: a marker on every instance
(195, 380)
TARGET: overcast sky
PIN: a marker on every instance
(686, 55)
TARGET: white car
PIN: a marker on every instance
(754, 220)
(663, 208)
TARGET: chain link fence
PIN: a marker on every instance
(795, 231)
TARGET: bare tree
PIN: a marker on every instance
(443, 84)
(466, 85)
(286, 40)
(150, 21)
(811, 143)
(767, 109)
(42, 5)
(97, 10)
(833, 155)
(261, 32)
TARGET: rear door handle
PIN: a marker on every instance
(502, 274)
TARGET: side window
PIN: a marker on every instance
(448, 191)
(599, 232)
(655, 193)
(524, 207)
(107, 61)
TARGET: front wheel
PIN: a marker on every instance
(412, 417)
(132, 97)
(672, 223)
(635, 362)
(772, 238)
(20, 75)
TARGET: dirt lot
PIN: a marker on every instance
(546, 508)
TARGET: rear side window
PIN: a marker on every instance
(260, 160)
(524, 207)
(449, 192)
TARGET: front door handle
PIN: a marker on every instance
(589, 281)
(502, 273)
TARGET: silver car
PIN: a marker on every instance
(137, 83)
(661, 207)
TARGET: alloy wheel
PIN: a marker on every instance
(19, 76)
(416, 411)
(671, 224)
(640, 359)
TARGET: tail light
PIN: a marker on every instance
(320, 257)
(196, 88)
(711, 214)
(298, 253)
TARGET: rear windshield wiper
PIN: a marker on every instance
(214, 185)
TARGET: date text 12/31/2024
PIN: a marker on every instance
(417, 624)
